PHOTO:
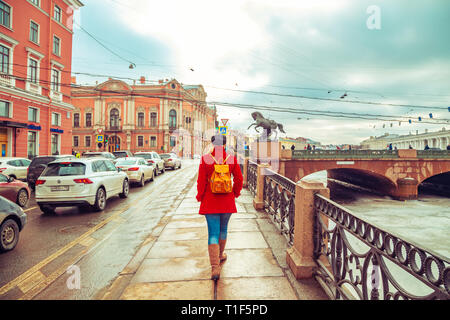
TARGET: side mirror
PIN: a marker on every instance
(119, 169)
(11, 179)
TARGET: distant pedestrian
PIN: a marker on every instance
(448, 146)
(283, 147)
(308, 147)
(410, 147)
(426, 147)
(217, 196)
(349, 147)
(78, 155)
(314, 147)
(292, 147)
(390, 146)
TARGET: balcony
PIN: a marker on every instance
(7, 80)
(33, 87)
(56, 96)
(113, 128)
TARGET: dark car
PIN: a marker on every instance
(14, 190)
(12, 221)
(123, 153)
(38, 164)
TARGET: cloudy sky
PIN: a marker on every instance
(300, 56)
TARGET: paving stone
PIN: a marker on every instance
(176, 290)
(196, 222)
(246, 240)
(173, 269)
(261, 288)
(250, 263)
(179, 249)
(241, 224)
(183, 234)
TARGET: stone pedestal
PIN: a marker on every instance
(300, 257)
(258, 201)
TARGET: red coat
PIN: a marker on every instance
(217, 202)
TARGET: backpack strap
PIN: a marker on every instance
(224, 161)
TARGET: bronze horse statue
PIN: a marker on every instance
(266, 124)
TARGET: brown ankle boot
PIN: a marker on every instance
(222, 255)
(213, 250)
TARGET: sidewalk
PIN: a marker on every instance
(173, 263)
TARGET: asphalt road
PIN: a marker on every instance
(98, 244)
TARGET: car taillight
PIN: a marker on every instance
(169, 160)
(83, 180)
(38, 182)
(151, 161)
(133, 169)
(1, 169)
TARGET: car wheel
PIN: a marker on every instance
(9, 235)
(22, 198)
(32, 186)
(153, 176)
(142, 182)
(125, 189)
(100, 200)
(164, 169)
(47, 209)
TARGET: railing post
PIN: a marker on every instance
(244, 171)
(300, 257)
(258, 201)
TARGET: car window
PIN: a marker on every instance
(41, 160)
(142, 162)
(99, 166)
(3, 178)
(143, 155)
(64, 169)
(25, 162)
(165, 156)
(110, 166)
(156, 156)
(125, 162)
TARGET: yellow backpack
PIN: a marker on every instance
(220, 180)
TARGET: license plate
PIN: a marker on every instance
(60, 188)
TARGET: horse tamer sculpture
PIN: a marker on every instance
(266, 124)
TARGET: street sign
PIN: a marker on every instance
(223, 130)
(100, 138)
(224, 121)
(100, 130)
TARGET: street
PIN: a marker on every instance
(98, 244)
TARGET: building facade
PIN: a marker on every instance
(165, 117)
(435, 139)
(35, 67)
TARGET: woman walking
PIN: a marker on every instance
(217, 197)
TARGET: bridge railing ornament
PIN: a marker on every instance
(252, 174)
(366, 262)
(279, 202)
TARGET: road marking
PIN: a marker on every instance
(31, 281)
(29, 209)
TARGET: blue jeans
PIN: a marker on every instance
(217, 226)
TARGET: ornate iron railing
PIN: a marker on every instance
(351, 246)
(345, 154)
(279, 202)
(252, 173)
(433, 154)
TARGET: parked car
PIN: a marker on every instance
(80, 182)
(14, 167)
(12, 220)
(153, 158)
(123, 154)
(14, 190)
(137, 169)
(171, 160)
(107, 155)
(38, 164)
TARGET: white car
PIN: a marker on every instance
(137, 169)
(80, 182)
(153, 158)
(14, 167)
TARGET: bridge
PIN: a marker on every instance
(397, 173)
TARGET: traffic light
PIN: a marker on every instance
(106, 138)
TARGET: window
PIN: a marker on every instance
(35, 2)
(57, 13)
(140, 141)
(55, 80)
(88, 119)
(33, 114)
(34, 32)
(5, 14)
(87, 141)
(4, 109)
(56, 45)
(114, 118)
(172, 119)
(4, 59)
(55, 144)
(141, 119)
(32, 144)
(173, 141)
(153, 142)
(76, 120)
(56, 119)
(153, 119)
(33, 65)
(75, 141)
